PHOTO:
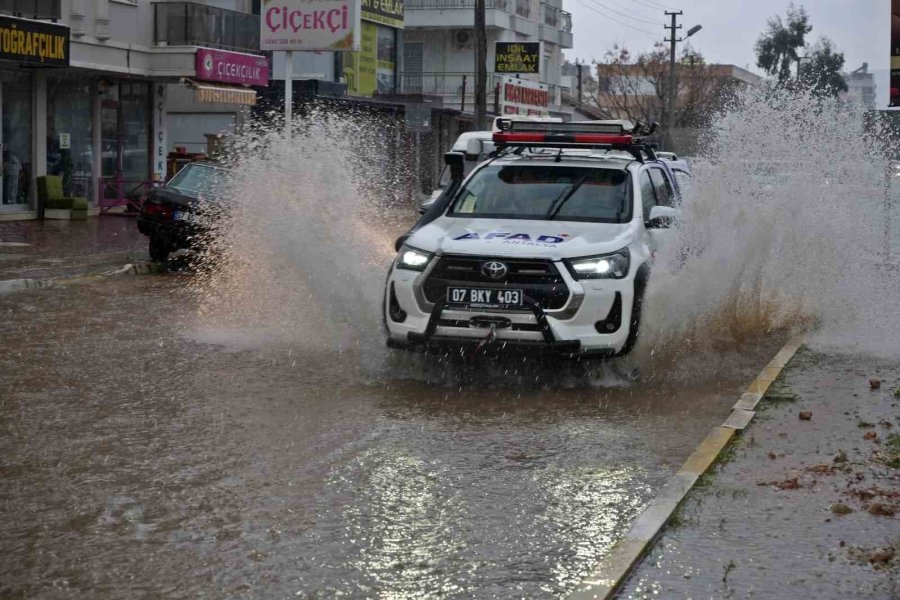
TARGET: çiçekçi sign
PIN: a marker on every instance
(34, 42)
(232, 67)
(310, 25)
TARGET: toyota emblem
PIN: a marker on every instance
(494, 270)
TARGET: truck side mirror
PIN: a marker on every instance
(457, 163)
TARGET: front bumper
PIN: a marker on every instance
(573, 329)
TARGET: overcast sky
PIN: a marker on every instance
(859, 28)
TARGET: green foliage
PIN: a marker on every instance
(776, 48)
(821, 72)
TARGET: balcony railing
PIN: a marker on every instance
(557, 18)
(523, 8)
(191, 24)
(449, 4)
(32, 9)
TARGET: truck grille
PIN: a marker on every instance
(539, 278)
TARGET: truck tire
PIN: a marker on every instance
(634, 325)
(159, 250)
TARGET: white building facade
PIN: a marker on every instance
(439, 53)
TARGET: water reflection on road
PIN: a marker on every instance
(141, 458)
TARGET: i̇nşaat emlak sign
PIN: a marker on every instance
(310, 25)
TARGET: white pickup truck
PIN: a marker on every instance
(546, 247)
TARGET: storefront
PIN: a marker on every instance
(215, 100)
(375, 68)
(28, 51)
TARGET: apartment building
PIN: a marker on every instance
(439, 53)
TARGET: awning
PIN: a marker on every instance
(222, 93)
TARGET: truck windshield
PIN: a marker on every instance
(544, 192)
(198, 180)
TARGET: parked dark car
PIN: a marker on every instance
(183, 212)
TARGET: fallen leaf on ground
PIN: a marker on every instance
(821, 469)
(841, 509)
(881, 510)
(788, 484)
(805, 415)
(841, 457)
(870, 435)
(880, 557)
(772, 456)
(874, 384)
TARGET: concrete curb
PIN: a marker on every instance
(12, 285)
(607, 575)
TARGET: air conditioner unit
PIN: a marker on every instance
(462, 37)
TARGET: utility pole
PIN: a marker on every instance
(480, 67)
(578, 66)
(670, 104)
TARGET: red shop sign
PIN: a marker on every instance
(232, 67)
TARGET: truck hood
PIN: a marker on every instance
(513, 238)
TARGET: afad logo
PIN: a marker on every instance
(523, 239)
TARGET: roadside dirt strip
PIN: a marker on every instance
(610, 572)
(12, 285)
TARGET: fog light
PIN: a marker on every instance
(397, 314)
(613, 320)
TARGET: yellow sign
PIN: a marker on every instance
(517, 57)
(359, 67)
(27, 41)
(386, 12)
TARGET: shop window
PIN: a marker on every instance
(70, 126)
(17, 133)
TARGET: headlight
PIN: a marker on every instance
(412, 259)
(607, 266)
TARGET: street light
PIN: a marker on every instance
(693, 30)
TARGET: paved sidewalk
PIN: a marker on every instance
(806, 503)
(48, 249)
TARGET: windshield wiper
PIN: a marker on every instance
(557, 204)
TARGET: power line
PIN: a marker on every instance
(640, 3)
(653, 4)
(602, 14)
(626, 15)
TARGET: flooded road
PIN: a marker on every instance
(139, 458)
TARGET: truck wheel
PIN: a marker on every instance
(158, 249)
(634, 325)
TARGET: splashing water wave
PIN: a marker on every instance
(784, 229)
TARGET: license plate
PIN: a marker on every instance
(190, 217)
(484, 297)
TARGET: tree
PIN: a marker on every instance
(821, 72)
(776, 48)
(635, 87)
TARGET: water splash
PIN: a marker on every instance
(302, 258)
(785, 228)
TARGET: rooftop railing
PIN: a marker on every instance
(450, 4)
(556, 17)
(32, 9)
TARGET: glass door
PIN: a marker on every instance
(15, 105)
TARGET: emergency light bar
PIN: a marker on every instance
(608, 135)
(504, 138)
(582, 127)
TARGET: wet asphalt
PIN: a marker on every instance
(141, 458)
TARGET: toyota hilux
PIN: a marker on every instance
(547, 246)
